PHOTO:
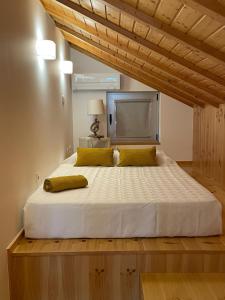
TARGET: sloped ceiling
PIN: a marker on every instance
(174, 46)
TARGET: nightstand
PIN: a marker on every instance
(90, 142)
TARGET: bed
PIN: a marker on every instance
(124, 202)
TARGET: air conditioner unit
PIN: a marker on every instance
(96, 81)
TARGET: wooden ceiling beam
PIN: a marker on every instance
(138, 39)
(211, 8)
(214, 96)
(126, 71)
(154, 77)
(167, 30)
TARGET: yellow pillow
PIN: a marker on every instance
(94, 157)
(62, 183)
(138, 157)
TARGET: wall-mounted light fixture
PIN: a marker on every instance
(67, 67)
(46, 49)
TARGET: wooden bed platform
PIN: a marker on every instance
(107, 269)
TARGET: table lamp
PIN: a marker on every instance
(95, 107)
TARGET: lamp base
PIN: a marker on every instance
(95, 128)
(97, 136)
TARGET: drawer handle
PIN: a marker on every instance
(99, 271)
(130, 271)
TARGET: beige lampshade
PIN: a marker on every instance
(96, 107)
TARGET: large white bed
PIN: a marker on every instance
(122, 202)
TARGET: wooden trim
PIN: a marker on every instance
(211, 8)
(137, 39)
(153, 77)
(11, 247)
(167, 30)
(127, 71)
(125, 246)
(16, 240)
(213, 96)
(186, 163)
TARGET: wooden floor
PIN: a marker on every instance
(188, 286)
(107, 269)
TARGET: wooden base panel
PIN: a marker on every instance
(109, 277)
(107, 269)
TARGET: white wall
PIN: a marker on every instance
(35, 128)
(176, 118)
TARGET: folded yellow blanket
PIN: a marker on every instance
(58, 184)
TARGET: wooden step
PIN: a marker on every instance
(183, 286)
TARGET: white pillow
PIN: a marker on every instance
(116, 157)
(163, 159)
(71, 159)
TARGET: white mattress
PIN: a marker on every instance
(124, 202)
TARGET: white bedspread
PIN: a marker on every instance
(124, 202)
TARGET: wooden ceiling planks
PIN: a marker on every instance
(99, 8)
(212, 8)
(150, 74)
(149, 47)
(136, 38)
(167, 30)
(147, 6)
(148, 60)
(171, 10)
